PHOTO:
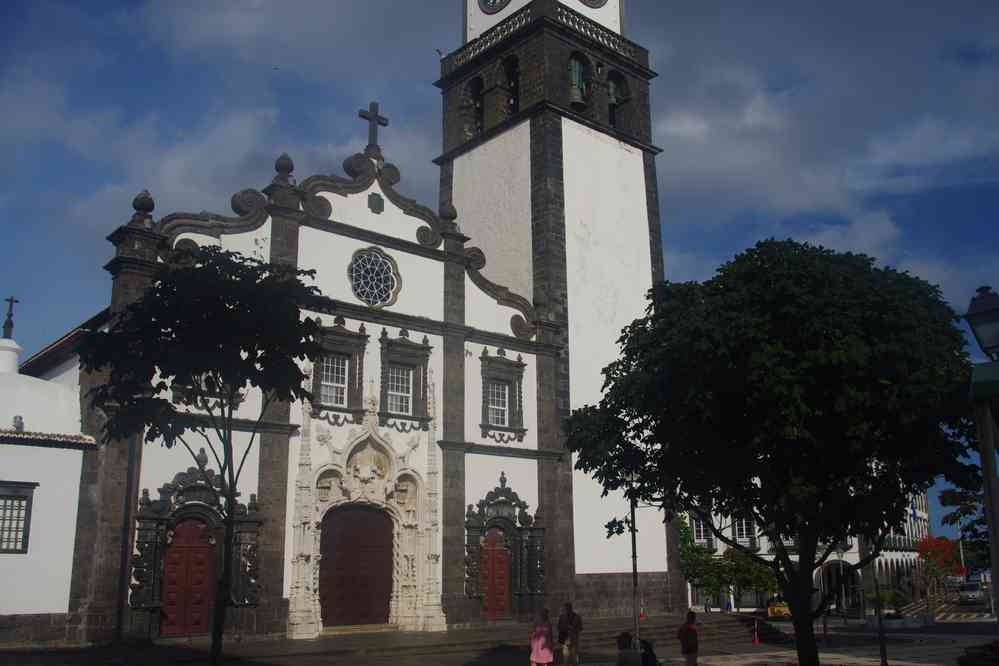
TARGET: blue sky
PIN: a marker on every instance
(863, 126)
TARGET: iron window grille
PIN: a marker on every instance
(16, 498)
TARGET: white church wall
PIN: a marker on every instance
(473, 396)
(353, 209)
(45, 406)
(65, 374)
(492, 194)
(484, 313)
(609, 270)
(477, 22)
(202, 240)
(482, 474)
(330, 254)
(256, 243)
(38, 581)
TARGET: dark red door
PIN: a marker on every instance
(188, 581)
(494, 568)
(355, 572)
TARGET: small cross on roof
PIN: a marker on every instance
(374, 121)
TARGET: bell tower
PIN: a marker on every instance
(548, 160)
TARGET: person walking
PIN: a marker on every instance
(542, 640)
(570, 626)
(687, 635)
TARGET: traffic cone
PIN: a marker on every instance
(756, 633)
(641, 614)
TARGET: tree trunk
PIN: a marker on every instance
(224, 593)
(798, 592)
(804, 631)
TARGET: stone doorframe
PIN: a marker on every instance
(367, 471)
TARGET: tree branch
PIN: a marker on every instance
(268, 397)
(724, 539)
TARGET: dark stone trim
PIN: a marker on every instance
(338, 341)
(326, 305)
(244, 425)
(250, 207)
(532, 112)
(655, 224)
(503, 451)
(475, 262)
(510, 373)
(61, 350)
(47, 443)
(486, 9)
(366, 235)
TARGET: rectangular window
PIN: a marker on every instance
(15, 515)
(333, 381)
(743, 531)
(400, 389)
(498, 395)
(701, 532)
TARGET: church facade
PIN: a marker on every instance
(427, 483)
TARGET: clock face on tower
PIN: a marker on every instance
(493, 6)
(594, 3)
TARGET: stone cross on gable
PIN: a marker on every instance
(8, 324)
(374, 120)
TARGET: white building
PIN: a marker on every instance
(429, 476)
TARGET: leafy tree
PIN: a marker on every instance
(806, 387)
(938, 558)
(215, 325)
(698, 563)
(748, 573)
(966, 510)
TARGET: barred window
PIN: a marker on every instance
(498, 395)
(400, 389)
(743, 531)
(15, 515)
(333, 383)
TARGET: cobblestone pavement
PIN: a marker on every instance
(915, 650)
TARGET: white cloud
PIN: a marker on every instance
(932, 141)
(873, 233)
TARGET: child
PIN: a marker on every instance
(542, 642)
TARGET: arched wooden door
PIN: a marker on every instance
(355, 572)
(188, 581)
(494, 570)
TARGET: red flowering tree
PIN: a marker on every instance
(939, 557)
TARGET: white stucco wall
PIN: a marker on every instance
(483, 312)
(45, 406)
(473, 397)
(492, 194)
(329, 254)
(38, 581)
(609, 270)
(482, 474)
(65, 374)
(478, 22)
(256, 243)
(392, 221)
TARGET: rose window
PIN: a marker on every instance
(374, 277)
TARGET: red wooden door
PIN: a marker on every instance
(188, 581)
(355, 572)
(494, 568)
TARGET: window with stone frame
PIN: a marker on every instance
(338, 377)
(744, 531)
(15, 515)
(701, 532)
(404, 375)
(502, 397)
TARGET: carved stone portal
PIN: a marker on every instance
(501, 519)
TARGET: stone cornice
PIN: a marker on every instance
(242, 425)
(502, 451)
(384, 317)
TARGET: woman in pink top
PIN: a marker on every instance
(542, 641)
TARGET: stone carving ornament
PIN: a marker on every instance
(493, 6)
(374, 277)
(596, 4)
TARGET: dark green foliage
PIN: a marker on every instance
(807, 386)
(213, 326)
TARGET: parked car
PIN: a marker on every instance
(971, 593)
(777, 607)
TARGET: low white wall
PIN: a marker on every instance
(38, 581)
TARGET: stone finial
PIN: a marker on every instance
(448, 212)
(19, 423)
(339, 321)
(403, 333)
(144, 206)
(426, 340)
(502, 479)
(501, 352)
(201, 459)
(284, 167)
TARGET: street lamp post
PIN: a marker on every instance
(634, 562)
(983, 318)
